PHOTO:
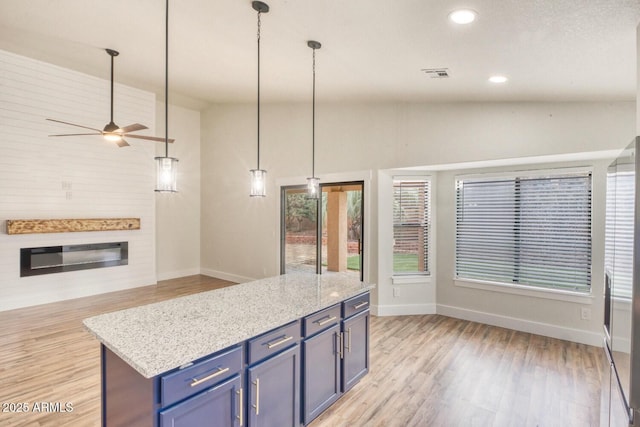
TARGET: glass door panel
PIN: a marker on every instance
(299, 225)
(341, 216)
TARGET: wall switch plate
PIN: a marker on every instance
(396, 292)
(585, 313)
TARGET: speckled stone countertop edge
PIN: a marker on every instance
(159, 337)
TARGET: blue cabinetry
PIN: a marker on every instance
(282, 378)
(219, 406)
(273, 390)
(355, 355)
(322, 372)
(209, 390)
(335, 353)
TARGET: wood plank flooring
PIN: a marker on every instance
(425, 370)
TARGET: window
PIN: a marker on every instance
(533, 229)
(411, 225)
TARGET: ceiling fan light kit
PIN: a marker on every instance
(166, 167)
(258, 176)
(463, 16)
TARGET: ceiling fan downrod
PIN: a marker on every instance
(111, 126)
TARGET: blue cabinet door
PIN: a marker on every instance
(273, 390)
(321, 372)
(219, 406)
(355, 362)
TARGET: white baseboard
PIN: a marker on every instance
(538, 328)
(403, 309)
(226, 276)
(176, 274)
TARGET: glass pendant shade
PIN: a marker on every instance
(258, 182)
(313, 188)
(166, 174)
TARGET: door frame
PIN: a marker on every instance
(320, 219)
(369, 178)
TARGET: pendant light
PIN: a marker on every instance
(313, 183)
(166, 167)
(258, 176)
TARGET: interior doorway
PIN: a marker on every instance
(325, 234)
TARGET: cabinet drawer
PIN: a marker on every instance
(273, 342)
(199, 376)
(355, 305)
(321, 320)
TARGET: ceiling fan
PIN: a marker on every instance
(111, 131)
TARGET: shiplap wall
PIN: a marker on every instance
(71, 177)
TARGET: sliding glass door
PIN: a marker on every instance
(325, 234)
(299, 231)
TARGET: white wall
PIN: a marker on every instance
(544, 313)
(240, 234)
(71, 177)
(178, 214)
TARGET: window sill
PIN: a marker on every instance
(555, 294)
(410, 279)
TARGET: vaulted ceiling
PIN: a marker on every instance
(373, 50)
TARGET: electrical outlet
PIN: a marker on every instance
(396, 292)
(585, 313)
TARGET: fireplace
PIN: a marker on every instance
(57, 259)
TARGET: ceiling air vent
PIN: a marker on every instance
(436, 73)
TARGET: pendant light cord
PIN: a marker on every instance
(313, 120)
(259, 89)
(166, 84)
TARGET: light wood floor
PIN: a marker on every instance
(425, 370)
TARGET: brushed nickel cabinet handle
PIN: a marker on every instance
(241, 408)
(348, 346)
(277, 343)
(362, 304)
(220, 371)
(326, 320)
(257, 405)
(341, 345)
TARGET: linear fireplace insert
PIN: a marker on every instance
(57, 259)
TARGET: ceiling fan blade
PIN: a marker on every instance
(77, 134)
(150, 138)
(132, 128)
(122, 143)
(73, 124)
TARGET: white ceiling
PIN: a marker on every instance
(578, 50)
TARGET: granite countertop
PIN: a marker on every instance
(158, 337)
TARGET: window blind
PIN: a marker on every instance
(528, 230)
(411, 225)
(619, 231)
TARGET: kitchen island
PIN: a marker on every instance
(272, 352)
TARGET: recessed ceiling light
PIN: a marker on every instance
(498, 79)
(463, 16)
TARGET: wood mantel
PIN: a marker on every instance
(35, 226)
